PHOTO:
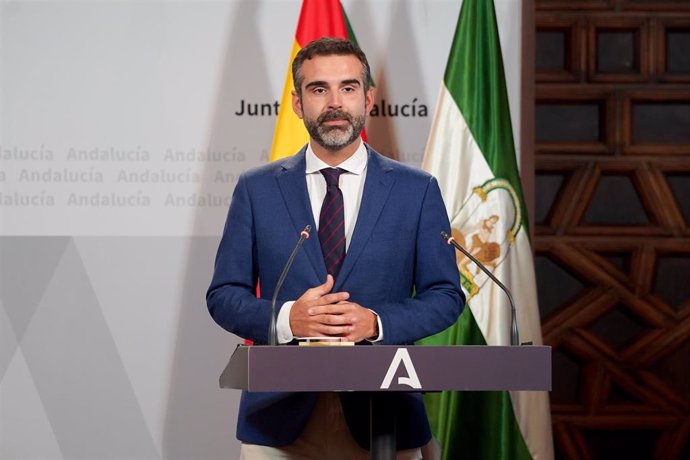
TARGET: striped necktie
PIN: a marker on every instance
(332, 222)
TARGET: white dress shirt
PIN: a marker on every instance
(352, 185)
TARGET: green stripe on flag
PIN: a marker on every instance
(476, 81)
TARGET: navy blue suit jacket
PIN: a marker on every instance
(397, 265)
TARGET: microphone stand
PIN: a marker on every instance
(514, 335)
(272, 330)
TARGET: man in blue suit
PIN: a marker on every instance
(378, 272)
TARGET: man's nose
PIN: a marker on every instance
(334, 100)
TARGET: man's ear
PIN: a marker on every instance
(369, 100)
(296, 104)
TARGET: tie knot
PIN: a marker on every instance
(332, 175)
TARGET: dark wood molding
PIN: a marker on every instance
(527, 110)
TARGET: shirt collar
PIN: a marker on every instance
(354, 165)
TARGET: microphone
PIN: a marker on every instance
(514, 335)
(272, 331)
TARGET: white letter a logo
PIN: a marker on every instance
(401, 356)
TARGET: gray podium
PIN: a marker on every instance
(386, 368)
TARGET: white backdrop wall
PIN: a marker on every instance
(123, 128)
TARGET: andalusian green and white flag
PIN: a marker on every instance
(471, 152)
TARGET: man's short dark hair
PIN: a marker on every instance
(328, 46)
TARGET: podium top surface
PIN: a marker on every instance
(388, 368)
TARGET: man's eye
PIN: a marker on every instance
(348, 89)
(319, 90)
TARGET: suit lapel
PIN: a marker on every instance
(377, 187)
(293, 187)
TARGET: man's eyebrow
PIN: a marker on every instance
(315, 83)
(352, 81)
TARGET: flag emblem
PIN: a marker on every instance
(486, 225)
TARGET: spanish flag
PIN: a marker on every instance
(318, 18)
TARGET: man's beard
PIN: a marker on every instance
(334, 137)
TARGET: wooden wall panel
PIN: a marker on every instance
(612, 223)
